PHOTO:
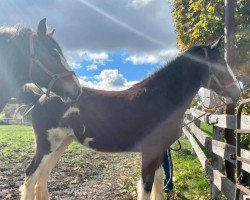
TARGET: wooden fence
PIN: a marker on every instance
(220, 150)
(13, 121)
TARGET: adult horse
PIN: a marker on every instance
(26, 57)
(145, 118)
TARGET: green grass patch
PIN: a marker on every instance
(208, 129)
(16, 142)
(2, 116)
(189, 178)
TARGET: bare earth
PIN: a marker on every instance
(95, 175)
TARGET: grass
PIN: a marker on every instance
(208, 129)
(17, 145)
(16, 142)
(189, 177)
(2, 116)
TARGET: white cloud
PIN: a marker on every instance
(129, 84)
(85, 82)
(75, 65)
(108, 79)
(84, 55)
(75, 58)
(92, 67)
(168, 54)
(99, 58)
(138, 3)
(143, 59)
(111, 78)
(153, 58)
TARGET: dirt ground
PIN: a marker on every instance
(97, 177)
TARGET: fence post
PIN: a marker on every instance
(197, 122)
(230, 58)
(217, 163)
(210, 99)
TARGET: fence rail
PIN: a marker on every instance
(201, 140)
(14, 121)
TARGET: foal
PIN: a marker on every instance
(27, 56)
(145, 118)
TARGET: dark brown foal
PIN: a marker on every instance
(145, 118)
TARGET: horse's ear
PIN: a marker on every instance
(42, 27)
(50, 34)
(217, 43)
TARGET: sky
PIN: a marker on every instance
(110, 44)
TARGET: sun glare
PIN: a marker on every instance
(122, 24)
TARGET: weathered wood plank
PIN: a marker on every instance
(216, 161)
(219, 148)
(246, 197)
(222, 121)
(202, 157)
(245, 154)
(220, 181)
(245, 122)
(197, 113)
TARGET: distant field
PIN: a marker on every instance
(2, 116)
(86, 174)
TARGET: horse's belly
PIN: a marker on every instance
(109, 143)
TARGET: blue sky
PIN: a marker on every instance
(116, 63)
(117, 60)
(111, 44)
(132, 68)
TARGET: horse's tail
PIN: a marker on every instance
(28, 94)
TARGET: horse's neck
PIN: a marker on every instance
(16, 48)
(14, 72)
(178, 82)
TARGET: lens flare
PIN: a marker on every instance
(121, 23)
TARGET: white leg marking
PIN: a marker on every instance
(28, 188)
(59, 139)
(70, 111)
(57, 135)
(157, 190)
(141, 193)
(41, 190)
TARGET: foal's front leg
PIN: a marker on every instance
(28, 188)
(41, 189)
(150, 186)
(157, 190)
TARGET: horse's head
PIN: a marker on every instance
(48, 66)
(219, 76)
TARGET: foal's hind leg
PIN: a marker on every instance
(147, 185)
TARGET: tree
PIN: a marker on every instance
(202, 21)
